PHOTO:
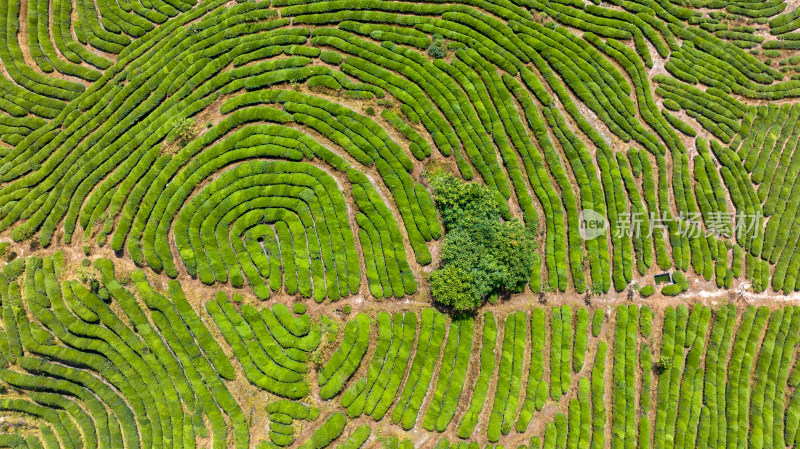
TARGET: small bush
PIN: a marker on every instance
(183, 132)
(662, 366)
(437, 49)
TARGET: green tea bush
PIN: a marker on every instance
(345, 361)
(581, 338)
(431, 337)
(536, 387)
(452, 373)
(487, 363)
(437, 48)
(327, 432)
(509, 381)
(597, 322)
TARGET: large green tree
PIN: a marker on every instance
(482, 255)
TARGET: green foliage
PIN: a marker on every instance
(647, 290)
(663, 366)
(182, 132)
(437, 49)
(481, 255)
(331, 57)
(680, 285)
(646, 317)
(581, 339)
(597, 322)
(460, 202)
(243, 139)
(487, 364)
(327, 432)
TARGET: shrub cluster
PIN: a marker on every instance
(481, 255)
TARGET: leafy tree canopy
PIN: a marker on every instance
(482, 255)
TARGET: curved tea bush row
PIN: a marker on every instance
(487, 363)
(302, 203)
(344, 362)
(75, 361)
(598, 393)
(560, 351)
(418, 146)
(572, 430)
(509, 381)
(738, 394)
(327, 432)
(107, 27)
(123, 158)
(779, 413)
(452, 373)
(262, 358)
(157, 255)
(429, 344)
(359, 136)
(690, 401)
(282, 414)
(664, 399)
(79, 356)
(536, 388)
(775, 165)
(712, 426)
(713, 109)
(641, 244)
(785, 430)
(771, 373)
(376, 393)
(357, 439)
(623, 422)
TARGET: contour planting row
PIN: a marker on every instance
(125, 180)
(374, 394)
(700, 394)
(282, 416)
(44, 31)
(79, 357)
(768, 152)
(272, 346)
(387, 270)
(69, 335)
(78, 352)
(222, 228)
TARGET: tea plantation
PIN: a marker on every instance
(539, 224)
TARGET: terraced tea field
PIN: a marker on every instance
(223, 225)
